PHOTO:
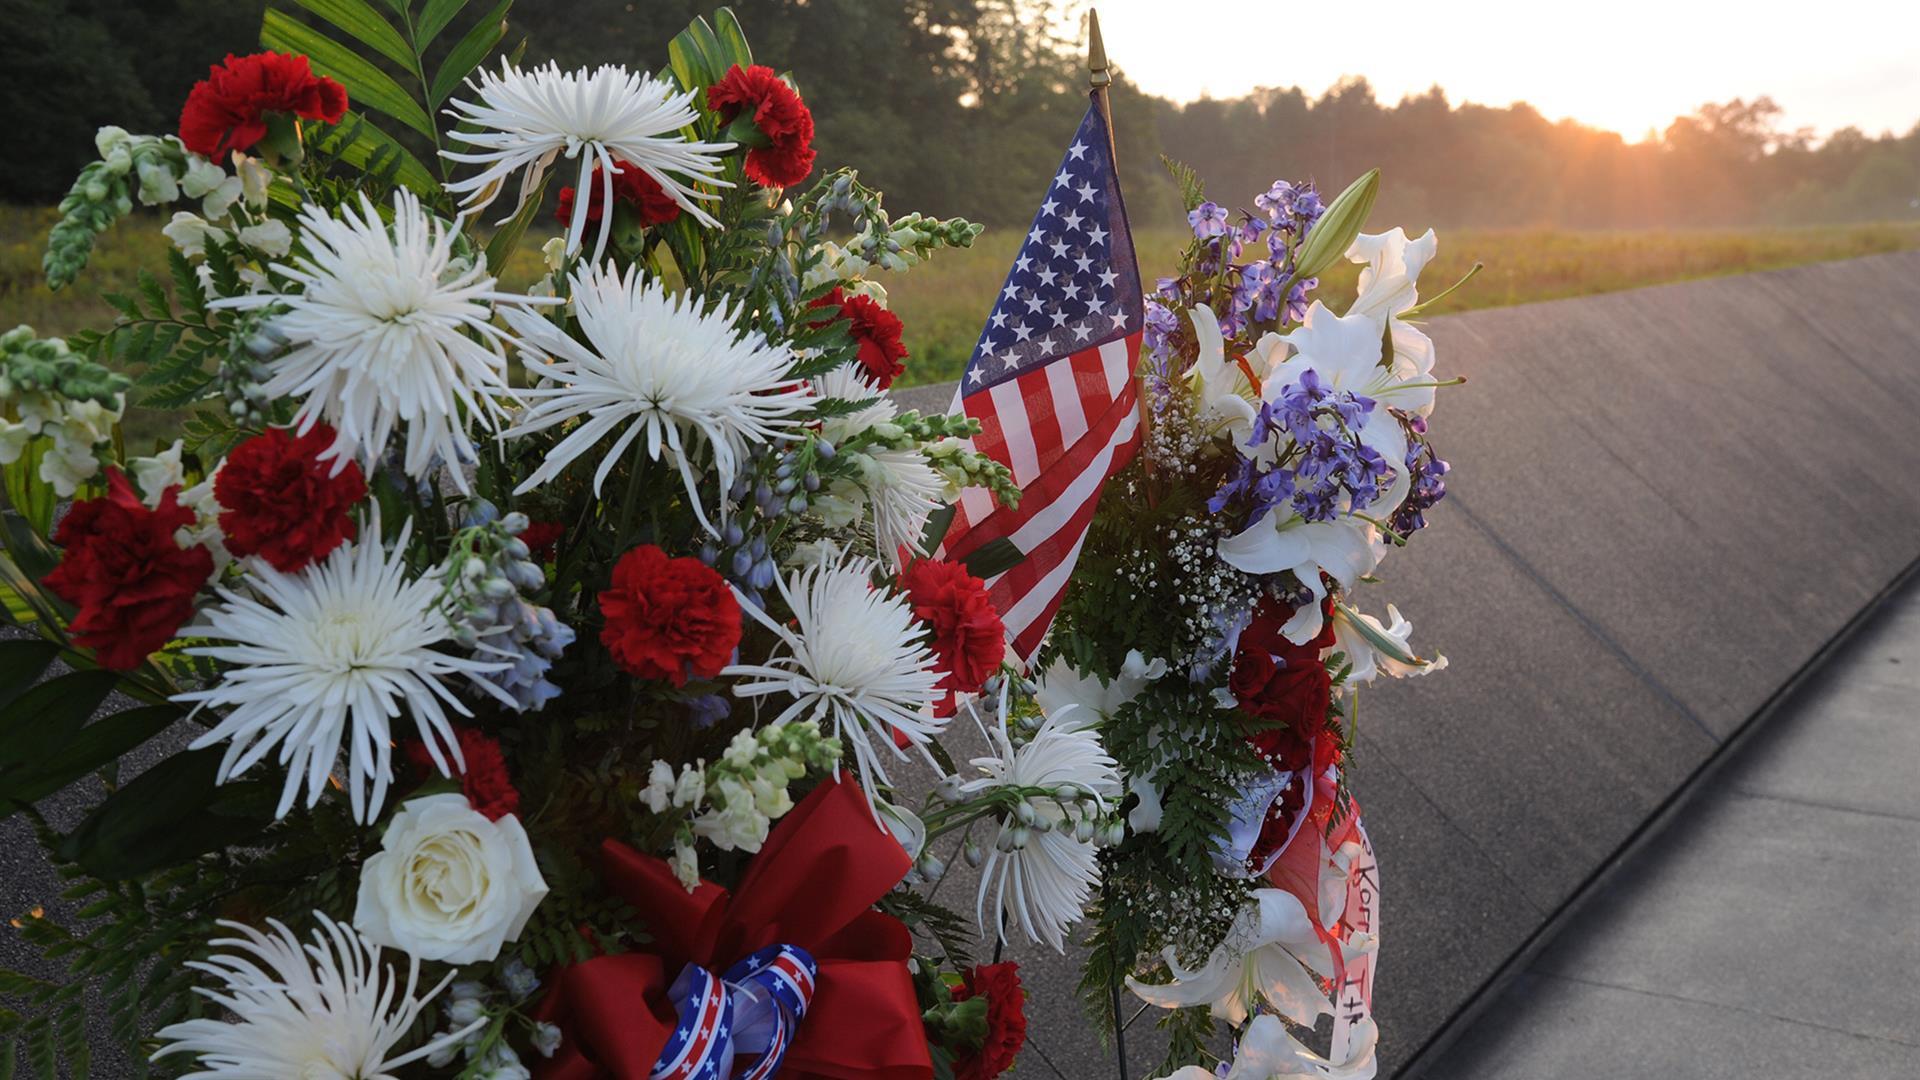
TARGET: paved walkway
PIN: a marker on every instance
(1773, 930)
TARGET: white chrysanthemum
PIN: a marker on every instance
(387, 330)
(656, 363)
(1040, 876)
(603, 116)
(325, 1011)
(336, 650)
(858, 658)
(900, 488)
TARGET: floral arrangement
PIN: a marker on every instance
(539, 645)
(553, 655)
(1212, 629)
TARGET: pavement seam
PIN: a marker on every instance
(1592, 627)
(1794, 800)
(1725, 1007)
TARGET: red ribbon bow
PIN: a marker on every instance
(813, 884)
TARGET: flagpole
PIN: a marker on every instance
(1099, 78)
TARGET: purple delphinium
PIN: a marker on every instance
(1208, 220)
(1321, 456)
(1159, 323)
(1426, 471)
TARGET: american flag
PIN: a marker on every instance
(1051, 382)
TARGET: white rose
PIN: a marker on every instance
(448, 884)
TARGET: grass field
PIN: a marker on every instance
(944, 302)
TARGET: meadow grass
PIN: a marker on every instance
(944, 302)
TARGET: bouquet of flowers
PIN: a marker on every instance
(1212, 628)
(545, 652)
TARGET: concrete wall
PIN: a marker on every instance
(1665, 501)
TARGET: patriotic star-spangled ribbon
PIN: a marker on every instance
(751, 1014)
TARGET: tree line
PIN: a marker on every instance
(962, 107)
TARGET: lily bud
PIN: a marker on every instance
(1333, 234)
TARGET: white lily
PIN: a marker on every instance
(1272, 953)
(1268, 1052)
(1080, 700)
(1063, 689)
(1220, 388)
(1344, 548)
(1389, 287)
(1374, 649)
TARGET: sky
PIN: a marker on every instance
(1629, 66)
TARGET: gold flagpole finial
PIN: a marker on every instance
(1097, 73)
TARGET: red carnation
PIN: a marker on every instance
(228, 109)
(540, 536)
(131, 581)
(1006, 1020)
(485, 782)
(281, 502)
(969, 640)
(875, 328)
(630, 185)
(778, 115)
(669, 618)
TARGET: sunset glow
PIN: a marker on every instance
(1630, 66)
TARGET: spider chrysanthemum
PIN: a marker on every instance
(609, 115)
(1040, 875)
(329, 1010)
(855, 656)
(387, 330)
(662, 367)
(333, 653)
(901, 487)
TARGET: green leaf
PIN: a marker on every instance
(45, 716)
(169, 814)
(500, 248)
(15, 607)
(695, 55)
(993, 558)
(433, 19)
(21, 665)
(29, 550)
(468, 52)
(733, 40)
(368, 140)
(365, 25)
(938, 523)
(30, 495)
(366, 85)
(98, 744)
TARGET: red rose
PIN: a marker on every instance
(1278, 824)
(669, 618)
(540, 536)
(968, 640)
(630, 185)
(1285, 684)
(1006, 1020)
(777, 114)
(279, 501)
(875, 328)
(228, 109)
(131, 581)
(485, 782)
